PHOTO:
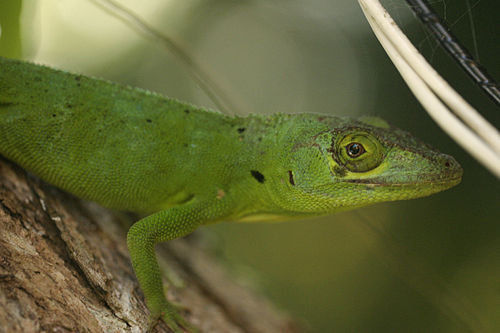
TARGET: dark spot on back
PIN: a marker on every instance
(257, 175)
(290, 177)
(54, 115)
(149, 120)
(186, 111)
(241, 129)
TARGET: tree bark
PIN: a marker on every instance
(64, 267)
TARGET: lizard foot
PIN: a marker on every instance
(170, 314)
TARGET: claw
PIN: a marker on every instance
(173, 319)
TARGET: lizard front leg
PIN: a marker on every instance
(165, 225)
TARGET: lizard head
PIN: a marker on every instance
(356, 163)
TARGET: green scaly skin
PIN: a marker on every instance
(130, 149)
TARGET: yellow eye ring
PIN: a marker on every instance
(358, 151)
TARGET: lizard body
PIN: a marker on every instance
(130, 149)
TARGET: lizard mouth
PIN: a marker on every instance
(423, 180)
(369, 191)
(445, 174)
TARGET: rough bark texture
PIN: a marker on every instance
(64, 267)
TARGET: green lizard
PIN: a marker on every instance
(131, 149)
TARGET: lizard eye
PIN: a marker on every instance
(358, 151)
(355, 149)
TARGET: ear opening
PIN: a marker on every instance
(290, 177)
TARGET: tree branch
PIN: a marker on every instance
(64, 267)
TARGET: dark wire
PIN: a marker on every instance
(452, 45)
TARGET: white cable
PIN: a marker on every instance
(432, 90)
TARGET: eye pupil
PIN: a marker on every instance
(355, 149)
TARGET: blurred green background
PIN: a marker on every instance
(427, 265)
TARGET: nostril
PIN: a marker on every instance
(450, 168)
